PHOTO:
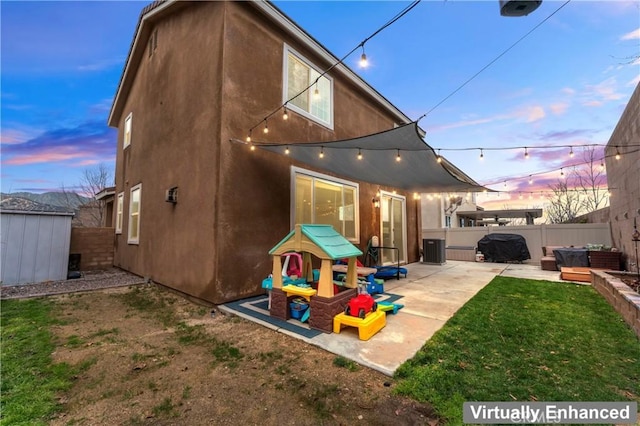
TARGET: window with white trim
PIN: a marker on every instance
(119, 212)
(134, 214)
(316, 102)
(127, 131)
(323, 199)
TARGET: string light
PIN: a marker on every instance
(571, 152)
(285, 115)
(601, 165)
(481, 154)
(249, 136)
(561, 173)
(530, 180)
(316, 92)
(439, 159)
(505, 183)
(398, 157)
(363, 59)
(617, 153)
(266, 127)
(286, 150)
(253, 147)
(321, 152)
(526, 153)
(520, 195)
(359, 154)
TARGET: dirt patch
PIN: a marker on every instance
(152, 357)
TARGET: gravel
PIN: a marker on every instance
(94, 280)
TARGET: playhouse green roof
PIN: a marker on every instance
(327, 239)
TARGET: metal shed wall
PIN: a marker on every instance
(35, 246)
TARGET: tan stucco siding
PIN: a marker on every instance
(175, 101)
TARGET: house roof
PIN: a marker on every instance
(333, 244)
(107, 192)
(417, 171)
(158, 9)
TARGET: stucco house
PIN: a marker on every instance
(195, 211)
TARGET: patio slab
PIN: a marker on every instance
(431, 294)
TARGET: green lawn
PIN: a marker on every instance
(30, 382)
(526, 340)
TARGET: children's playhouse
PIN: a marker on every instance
(327, 246)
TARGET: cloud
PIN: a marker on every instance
(559, 108)
(563, 135)
(568, 91)
(633, 35)
(535, 113)
(634, 81)
(465, 123)
(102, 65)
(599, 94)
(13, 136)
(91, 142)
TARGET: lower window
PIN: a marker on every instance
(322, 199)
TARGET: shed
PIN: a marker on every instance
(35, 242)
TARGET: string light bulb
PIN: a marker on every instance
(398, 157)
(359, 154)
(316, 92)
(530, 180)
(617, 153)
(266, 127)
(253, 147)
(363, 59)
(601, 165)
(285, 114)
(571, 152)
(520, 195)
(481, 154)
(321, 155)
(286, 150)
(439, 159)
(249, 137)
(562, 173)
(505, 183)
(526, 153)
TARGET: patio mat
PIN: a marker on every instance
(256, 308)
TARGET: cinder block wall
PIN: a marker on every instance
(95, 246)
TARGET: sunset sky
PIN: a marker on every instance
(565, 83)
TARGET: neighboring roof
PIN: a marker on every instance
(159, 9)
(417, 171)
(26, 206)
(513, 213)
(333, 244)
(106, 192)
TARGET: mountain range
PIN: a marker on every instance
(59, 199)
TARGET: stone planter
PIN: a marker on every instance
(619, 295)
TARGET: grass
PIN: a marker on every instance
(526, 340)
(31, 382)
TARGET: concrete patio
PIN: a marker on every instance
(431, 294)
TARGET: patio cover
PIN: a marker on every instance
(417, 171)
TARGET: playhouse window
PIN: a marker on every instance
(316, 102)
(322, 199)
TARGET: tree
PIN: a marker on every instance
(591, 181)
(92, 181)
(583, 191)
(564, 205)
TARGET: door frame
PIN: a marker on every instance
(403, 200)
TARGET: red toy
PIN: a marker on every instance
(361, 305)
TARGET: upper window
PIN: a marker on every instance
(127, 131)
(322, 199)
(134, 214)
(316, 102)
(119, 212)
